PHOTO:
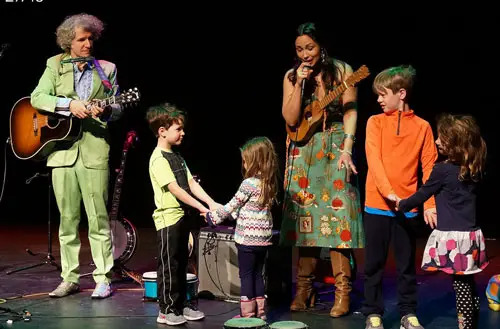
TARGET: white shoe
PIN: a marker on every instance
(102, 290)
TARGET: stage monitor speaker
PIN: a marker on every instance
(218, 263)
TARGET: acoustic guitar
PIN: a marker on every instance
(33, 133)
(312, 115)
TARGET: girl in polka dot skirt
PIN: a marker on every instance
(456, 245)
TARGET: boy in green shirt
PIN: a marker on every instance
(176, 195)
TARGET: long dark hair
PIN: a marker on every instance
(261, 161)
(462, 143)
(328, 65)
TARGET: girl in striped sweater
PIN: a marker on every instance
(251, 207)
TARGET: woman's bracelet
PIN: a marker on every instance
(351, 136)
(346, 151)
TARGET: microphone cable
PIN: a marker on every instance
(7, 142)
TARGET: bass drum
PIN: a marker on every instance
(123, 240)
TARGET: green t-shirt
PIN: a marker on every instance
(168, 209)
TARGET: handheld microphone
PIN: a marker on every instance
(304, 81)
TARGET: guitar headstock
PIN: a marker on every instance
(129, 140)
(129, 96)
(357, 76)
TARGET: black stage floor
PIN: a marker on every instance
(27, 290)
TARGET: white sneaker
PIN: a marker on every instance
(102, 290)
(172, 318)
(192, 313)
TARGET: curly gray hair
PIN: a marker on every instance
(66, 31)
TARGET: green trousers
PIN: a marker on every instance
(71, 185)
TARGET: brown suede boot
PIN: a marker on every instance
(261, 307)
(305, 295)
(342, 274)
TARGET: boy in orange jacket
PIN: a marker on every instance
(396, 141)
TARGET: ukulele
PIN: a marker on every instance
(312, 115)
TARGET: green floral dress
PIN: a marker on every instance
(321, 209)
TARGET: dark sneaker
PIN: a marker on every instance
(102, 290)
(410, 321)
(65, 289)
(172, 318)
(374, 321)
(192, 313)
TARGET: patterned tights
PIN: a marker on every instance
(467, 301)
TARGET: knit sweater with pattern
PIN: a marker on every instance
(254, 222)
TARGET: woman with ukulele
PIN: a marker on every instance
(322, 207)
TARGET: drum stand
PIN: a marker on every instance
(121, 270)
(49, 259)
(119, 267)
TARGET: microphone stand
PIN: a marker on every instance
(49, 259)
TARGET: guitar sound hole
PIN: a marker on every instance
(307, 115)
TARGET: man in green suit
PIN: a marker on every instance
(80, 168)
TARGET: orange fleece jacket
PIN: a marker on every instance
(393, 156)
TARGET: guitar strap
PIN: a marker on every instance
(105, 81)
(104, 78)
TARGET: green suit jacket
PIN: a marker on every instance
(93, 143)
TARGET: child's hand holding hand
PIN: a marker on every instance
(214, 206)
(209, 219)
(202, 209)
(397, 204)
(204, 215)
(430, 217)
(394, 198)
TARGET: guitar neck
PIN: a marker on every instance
(128, 97)
(115, 204)
(102, 103)
(332, 95)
